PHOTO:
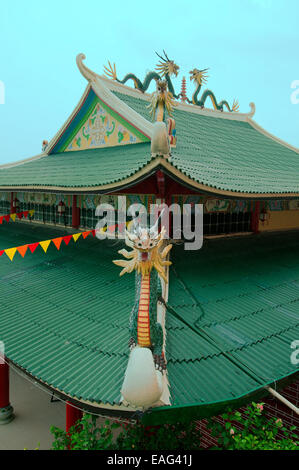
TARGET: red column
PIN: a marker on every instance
(255, 218)
(12, 209)
(72, 415)
(75, 213)
(6, 410)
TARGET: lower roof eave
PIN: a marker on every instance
(154, 165)
(162, 414)
(196, 411)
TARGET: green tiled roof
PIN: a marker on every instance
(79, 168)
(221, 154)
(232, 315)
(227, 154)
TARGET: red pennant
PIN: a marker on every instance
(26, 214)
(22, 250)
(67, 239)
(7, 217)
(57, 242)
(93, 233)
(33, 246)
(1, 252)
(85, 234)
(1, 220)
(19, 215)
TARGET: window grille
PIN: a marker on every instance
(88, 218)
(4, 207)
(218, 223)
(48, 213)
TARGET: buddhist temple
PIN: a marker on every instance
(226, 330)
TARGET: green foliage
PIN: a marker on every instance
(164, 437)
(87, 435)
(253, 431)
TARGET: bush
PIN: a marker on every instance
(253, 431)
(86, 435)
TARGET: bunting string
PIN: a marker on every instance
(23, 249)
(13, 216)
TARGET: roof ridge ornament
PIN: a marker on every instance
(252, 110)
(200, 77)
(164, 70)
(164, 133)
(85, 71)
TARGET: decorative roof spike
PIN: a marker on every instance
(235, 106)
(110, 71)
(183, 90)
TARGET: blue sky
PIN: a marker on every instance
(251, 47)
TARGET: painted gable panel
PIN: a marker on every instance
(97, 125)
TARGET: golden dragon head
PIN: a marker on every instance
(145, 255)
(199, 76)
(161, 96)
(167, 66)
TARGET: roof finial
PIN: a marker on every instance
(183, 90)
(86, 72)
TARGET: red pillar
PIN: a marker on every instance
(72, 415)
(12, 209)
(75, 213)
(6, 410)
(255, 219)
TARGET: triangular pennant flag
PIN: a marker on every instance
(67, 239)
(85, 234)
(93, 233)
(7, 217)
(13, 216)
(31, 212)
(57, 242)
(1, 220)
(33, 246)
(22, 250)
(76, 236)
(20, 214)
(10, 253)
(45, 244)
(26, 214)
(1, 252)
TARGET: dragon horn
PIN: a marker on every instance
(161, 57)
(166, 55)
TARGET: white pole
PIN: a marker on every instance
(283, 400)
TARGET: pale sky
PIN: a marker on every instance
(250, 46)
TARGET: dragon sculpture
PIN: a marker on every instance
(161, 100)
(199, 77)
(165, 69)
(148, 259)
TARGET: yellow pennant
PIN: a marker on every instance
(31, 212)
(76, 236)
(13, 217)
(45, 245)
(10, 252)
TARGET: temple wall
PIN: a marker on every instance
(281, 220)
